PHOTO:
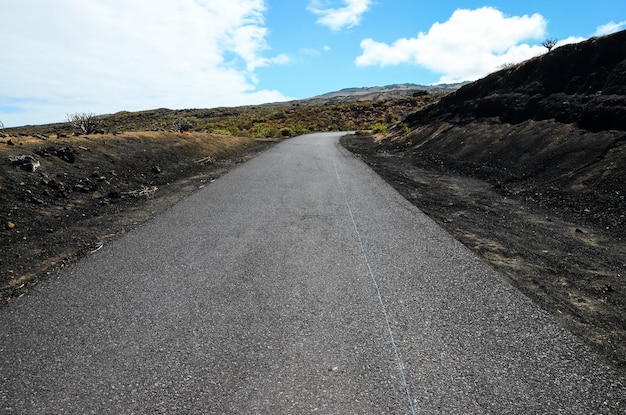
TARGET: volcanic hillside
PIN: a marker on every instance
(527, 167)
(552, 128)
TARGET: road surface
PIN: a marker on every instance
(298, 283)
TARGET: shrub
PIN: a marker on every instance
(299, 129)
(507, 65)
(84, 122)
(157, 127)
(379, 128)
(549, 44)
(183, 124)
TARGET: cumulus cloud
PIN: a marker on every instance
(469, 45)
(64, 56)
(570, 40)
(609, 28)
(337, 18)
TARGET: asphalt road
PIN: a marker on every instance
(298, 283)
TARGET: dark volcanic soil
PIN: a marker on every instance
(527, 167)
(573, 270)
(88, 190)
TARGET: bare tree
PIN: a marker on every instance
(1, 127)
(549, 44)
(84, 122)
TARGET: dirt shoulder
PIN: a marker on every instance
(570, 268)
(86, 191)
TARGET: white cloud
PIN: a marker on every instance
(570, 40)
(282, 59)
(337, 18)
(63, 56)
(609, 28)
(315, 53)
(471, 44)
(310, 52)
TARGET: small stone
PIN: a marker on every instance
(37, 201)
(607, 289)
(9, 225)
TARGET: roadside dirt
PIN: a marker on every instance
(89, 190)
(571, 267)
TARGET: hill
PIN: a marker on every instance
(527, 167)
(349, 109)
(555, 126)
(382, 93)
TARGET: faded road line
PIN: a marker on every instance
(383, 307)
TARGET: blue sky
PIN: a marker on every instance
(65, 56)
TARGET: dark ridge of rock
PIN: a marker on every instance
(552, 129)
(583, 83)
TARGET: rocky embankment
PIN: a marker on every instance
(552, 129)
(527, 167)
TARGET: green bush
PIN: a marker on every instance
(379, 128)
(299, 129)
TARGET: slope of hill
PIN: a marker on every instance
(382, 92)
(350, 109)
(527, 167)
(555, 125)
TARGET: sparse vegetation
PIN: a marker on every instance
(263, 121)
(507, 65)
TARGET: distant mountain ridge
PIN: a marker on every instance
(405, 94)
(346, 92)
(373, 93)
